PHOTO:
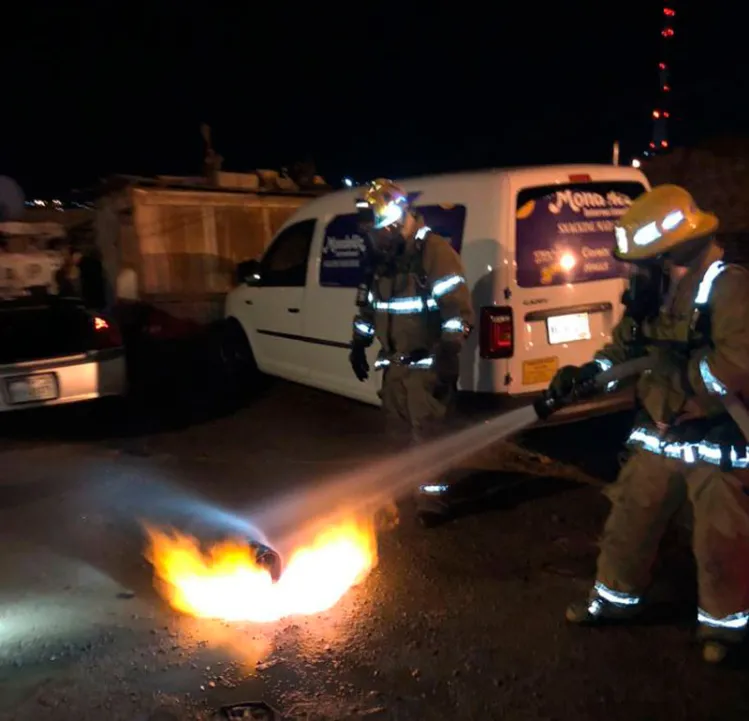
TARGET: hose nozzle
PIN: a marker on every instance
(549, 402)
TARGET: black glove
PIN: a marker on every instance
(446, 368)
(358, 361)
(571, 378)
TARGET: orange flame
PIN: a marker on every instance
(226, 582)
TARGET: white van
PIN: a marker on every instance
(536, 244)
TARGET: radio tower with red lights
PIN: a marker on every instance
(661, 113)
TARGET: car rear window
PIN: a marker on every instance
(565, 233)
(32, 329)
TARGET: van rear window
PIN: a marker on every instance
(565, 234)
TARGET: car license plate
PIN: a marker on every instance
(539, 370)
(34, 388)
(568, 328)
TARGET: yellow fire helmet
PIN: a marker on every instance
(385, 203)
(660, 220)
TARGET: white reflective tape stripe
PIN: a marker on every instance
(712, 273)
(646, 439)
(604, 365)
(622, 239)
(713, 385)
(445, 285)
(363, 328)
(647, 234)
(405, 305)
(421, 234)
(710, 452)
(618, 598)
(421, 364)
(391, 214)
(434, 488)
(672, 220)
(735, 620)
(453, 325)
(687, 452)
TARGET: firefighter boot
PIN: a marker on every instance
(721, 636)
(603, 606)
(714, 651)
(718, 643)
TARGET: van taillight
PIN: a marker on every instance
(106, 333)
(496, 332)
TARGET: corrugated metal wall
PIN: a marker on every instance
(189, 242)
(181, 247)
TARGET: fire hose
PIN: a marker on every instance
(548, 403)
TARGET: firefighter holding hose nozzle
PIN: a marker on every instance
(414, 299)
(690, 317)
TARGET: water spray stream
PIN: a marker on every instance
(365, 489)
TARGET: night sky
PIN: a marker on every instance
(396, 90)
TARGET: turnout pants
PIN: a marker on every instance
(412, 411)
(649, 491)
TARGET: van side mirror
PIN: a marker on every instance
(248, 272)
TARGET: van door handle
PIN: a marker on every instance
(249, 302)
(293, 310)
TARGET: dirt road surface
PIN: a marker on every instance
(464, 621)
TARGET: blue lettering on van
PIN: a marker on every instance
(344, 245)
(567, 236)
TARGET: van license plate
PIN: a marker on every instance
(568, 328)
(31, 389)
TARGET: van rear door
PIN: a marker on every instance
(567, 286)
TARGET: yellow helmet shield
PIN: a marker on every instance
(385, 204)
(661, 220)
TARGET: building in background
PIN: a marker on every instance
(173, 243)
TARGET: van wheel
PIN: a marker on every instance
(237, 359)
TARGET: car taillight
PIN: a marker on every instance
(106, 333)
(496, 332)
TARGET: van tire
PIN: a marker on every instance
(237, 359)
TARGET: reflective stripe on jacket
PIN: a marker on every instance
(700, 343)
(421, 301)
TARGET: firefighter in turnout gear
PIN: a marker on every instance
(690, 314)
(414, 300)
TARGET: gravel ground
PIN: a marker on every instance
(464, 621)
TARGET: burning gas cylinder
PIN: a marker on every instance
(267, 558)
